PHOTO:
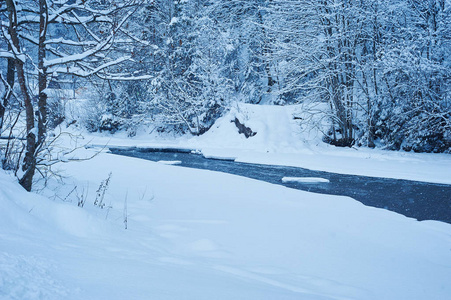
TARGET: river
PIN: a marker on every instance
(420, 200)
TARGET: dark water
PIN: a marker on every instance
(420, 200)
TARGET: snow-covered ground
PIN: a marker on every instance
(196, 234)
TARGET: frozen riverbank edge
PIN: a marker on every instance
(426, 167)
(281, 139)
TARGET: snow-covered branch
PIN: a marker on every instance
(106, 44)
(64, 41)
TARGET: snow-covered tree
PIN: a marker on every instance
(317, 45)
(414, 106)
(382, 66)
(248, 61)
(58, 38)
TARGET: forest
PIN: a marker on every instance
(378, 72)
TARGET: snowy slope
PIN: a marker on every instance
(195, 234)
(283, 140)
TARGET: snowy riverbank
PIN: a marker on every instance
(195, 234)
(282, 140)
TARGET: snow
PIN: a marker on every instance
(305, 179)
(197, 234)
(174, 20)
(6, 54)
(170, 162)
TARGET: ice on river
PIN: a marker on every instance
(170, 162)
(305, 179)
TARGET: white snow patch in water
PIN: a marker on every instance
(305, 179)
(170, 162)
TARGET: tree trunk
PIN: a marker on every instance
(9, 84)
(42, 77)
(29, 163)
(267, 55)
